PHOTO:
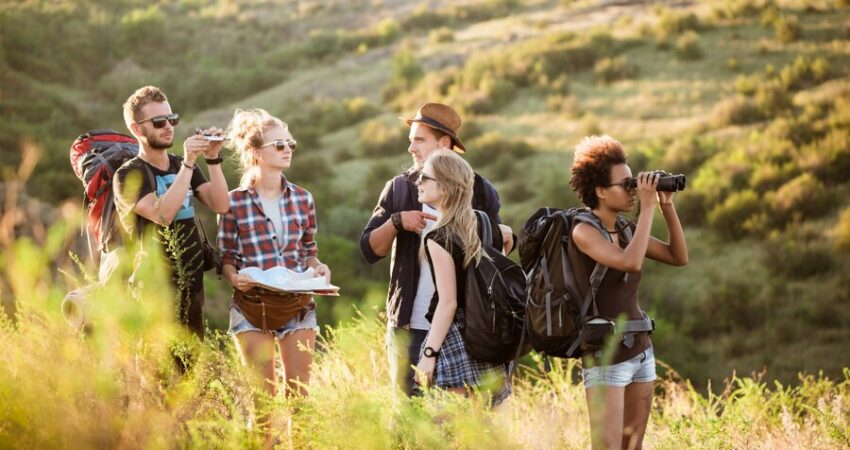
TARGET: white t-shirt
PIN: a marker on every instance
(425, 289)
(271, 207)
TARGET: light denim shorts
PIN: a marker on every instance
(639, 369)
(239, 324)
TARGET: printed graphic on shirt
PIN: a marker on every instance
(163, 182)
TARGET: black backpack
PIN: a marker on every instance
(555, 313)
(495, 303)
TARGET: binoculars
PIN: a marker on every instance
(667, 182)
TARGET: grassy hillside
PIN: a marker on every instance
(118, 388)
(751, 100)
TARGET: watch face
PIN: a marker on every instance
(429, 352)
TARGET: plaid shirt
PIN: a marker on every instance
(247, 237)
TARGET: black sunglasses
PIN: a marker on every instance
(280, 145)
(159, 121)
(423, 177)
(629, 185)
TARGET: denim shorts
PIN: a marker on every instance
(639, 369)
(239, 324)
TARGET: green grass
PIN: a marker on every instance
(116, 386)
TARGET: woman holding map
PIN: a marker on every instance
(271, 223)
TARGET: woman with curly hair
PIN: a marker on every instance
(619, 392)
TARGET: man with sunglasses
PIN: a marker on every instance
(398, 224)
(154, 191)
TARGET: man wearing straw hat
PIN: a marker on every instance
(397, 226)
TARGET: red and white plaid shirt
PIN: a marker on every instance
(247, 237)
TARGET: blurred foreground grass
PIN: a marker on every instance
(116, 385)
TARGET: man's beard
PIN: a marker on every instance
(157, 144)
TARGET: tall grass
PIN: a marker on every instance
(117, 385)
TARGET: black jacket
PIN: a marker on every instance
(404, 272)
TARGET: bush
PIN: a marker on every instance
(440, 35)
(485, 149)
(787, 29)
(736, 111)
(687, 47)
(609, 70)
(729, 217)
(803, 197)
(672, 23)
(795, 258)
(379, 137)
(842, 230)
(772, 99)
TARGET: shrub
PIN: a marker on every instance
(772, 99)
(487, 148)
(787, 29)
(828, 158)
(687, 47)
(729, 217)
(379, 137)
(842, 230)
(735, 111)
(609, 70)
(590, 125)
(803, 197)
(793, 257)
(672, 23)
(440, 35)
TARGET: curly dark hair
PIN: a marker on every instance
(592, 161)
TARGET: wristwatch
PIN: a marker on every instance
(430, 352)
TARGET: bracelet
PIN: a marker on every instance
(213, 161)
(188, 166)
(396, 219)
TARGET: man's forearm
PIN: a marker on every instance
(381, 239)
(220, 202)
(173, 199)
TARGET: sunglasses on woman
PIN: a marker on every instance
(159, 121)
(280, 145)
(423, 177)
(629, 185)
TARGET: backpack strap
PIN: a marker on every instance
(400, 192)
(596, 276)
(486, 228)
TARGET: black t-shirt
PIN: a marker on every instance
(456, 250)
(134, 180)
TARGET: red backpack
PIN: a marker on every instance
(95, 156)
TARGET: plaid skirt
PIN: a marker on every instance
(455, 368)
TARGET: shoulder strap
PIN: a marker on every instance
(400, 188)
(486, 228)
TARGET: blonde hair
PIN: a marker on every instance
(245, 132)
(140, 98)
(457, 219)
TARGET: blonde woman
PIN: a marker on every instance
(271, 223)
(445, 184)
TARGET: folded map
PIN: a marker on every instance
(285, 280)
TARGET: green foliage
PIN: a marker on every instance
(730, 217)
(793, 257)
(406, 72)
(735, 111)
(787, 29)
(380, 137)
(609, 70)
(804, 197)
(732, 9)
(441, 35)
(672, 23)
(491, 146)
(687, 47)
(842, 230)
